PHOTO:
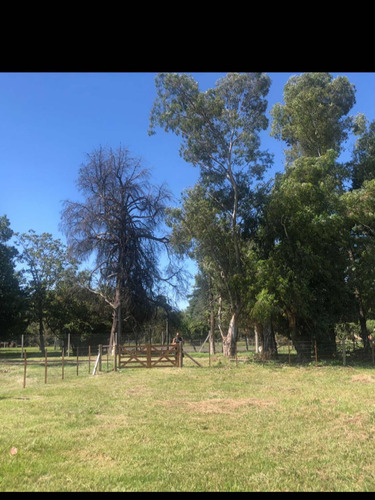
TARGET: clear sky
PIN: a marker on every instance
(49, 121)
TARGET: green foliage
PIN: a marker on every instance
(197, 314)
(306, 239)
(312, 119)
(347, 330)
(220, 130)
(45, 261)
(75, 310)
(363, 161)
(298, 249)
(12, 299)
(358, 212)
(264, 307)
(209, 122)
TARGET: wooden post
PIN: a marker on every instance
(45, 366)
(256, 334)
(115, 358)
(289, 350)
(77, 361)
(343, 352)
(96, 363)
(22, 339)
(68, 345)
(62, 363)
(195, 361)
(148, 352)
(89, 357)
(100, 356)
(179, 355)
(24, 368)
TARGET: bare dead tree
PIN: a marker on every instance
(118, 224)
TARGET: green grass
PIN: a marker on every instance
(251, 427)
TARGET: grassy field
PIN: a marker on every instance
(246, 427)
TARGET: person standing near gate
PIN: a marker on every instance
(179, 340)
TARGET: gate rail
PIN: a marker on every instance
(149, 356)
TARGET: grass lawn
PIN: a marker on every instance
(251, 427)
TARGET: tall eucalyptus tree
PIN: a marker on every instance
(313, 118)
(220, 135)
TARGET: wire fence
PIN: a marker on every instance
(58, 363)
(342, 350)
(77, 360)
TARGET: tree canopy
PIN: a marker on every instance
(291, 256)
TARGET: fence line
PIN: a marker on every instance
(345, 351)
(55, 360)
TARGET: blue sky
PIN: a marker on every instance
(49, 121)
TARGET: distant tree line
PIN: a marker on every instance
(293, 255)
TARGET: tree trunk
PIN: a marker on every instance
(113, 329)
(301, 343)
(116, 319)
(303, 347)
(212, 327)
(362, 321)
(230, 340)
(361, 311)
(119, 324)
(41, 328)
(269, 341)
(41, 336)
(258, 336)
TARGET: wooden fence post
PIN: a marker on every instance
(148, 352)
(77, 361)
(89, 357)
(179, 355)
(100, 356)
(24, 368)
(115, 358)
(343, 352)
(62, 363)
(45, 366)
(289, 351)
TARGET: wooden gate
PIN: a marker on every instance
(149, 356)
